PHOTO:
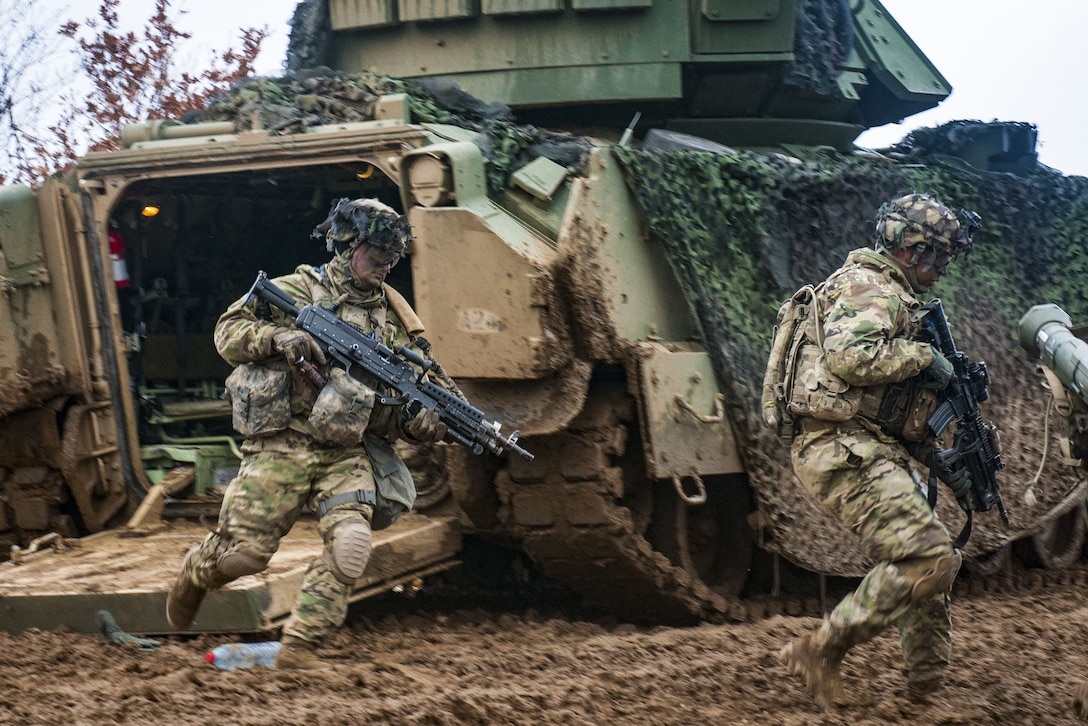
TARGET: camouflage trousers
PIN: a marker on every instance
(278, 477)
(864, 480)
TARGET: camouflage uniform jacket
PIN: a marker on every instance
(241, 337)
(866, 307)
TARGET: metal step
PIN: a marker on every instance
(129, 572)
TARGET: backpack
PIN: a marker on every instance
(778, 379)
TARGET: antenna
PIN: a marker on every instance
(626, 138)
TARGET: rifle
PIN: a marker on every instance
(465, 424)
(975, 444)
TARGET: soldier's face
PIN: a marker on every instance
(370, 265)
(932, 266)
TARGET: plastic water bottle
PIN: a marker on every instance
(231, 656)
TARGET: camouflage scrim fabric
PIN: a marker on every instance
(353, 221)
(767, 224)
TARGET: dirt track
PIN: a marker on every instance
(1018, 657)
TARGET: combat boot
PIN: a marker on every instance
(819, 664)
(183, 602)
(298, 656)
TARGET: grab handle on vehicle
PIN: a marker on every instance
(694, 500)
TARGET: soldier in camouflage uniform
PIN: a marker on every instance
(346, 470)
(857, 466)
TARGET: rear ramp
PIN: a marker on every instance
(129, 572)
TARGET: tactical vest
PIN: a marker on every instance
(798, 382)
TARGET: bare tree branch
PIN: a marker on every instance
(34, 67)
(119, 77)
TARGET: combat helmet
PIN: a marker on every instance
(352, 222)
(920, 221)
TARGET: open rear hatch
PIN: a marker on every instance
(61, 583)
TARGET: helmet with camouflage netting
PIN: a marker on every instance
(352, 222)
(921, 221)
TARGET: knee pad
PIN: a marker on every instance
(236, 560)
(350, 548)
(930, 575)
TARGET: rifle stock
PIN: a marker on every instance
(465, 424)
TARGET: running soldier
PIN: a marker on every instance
(851, 450)
(329, 450)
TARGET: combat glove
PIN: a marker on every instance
(297, 345)
(939, 372)
(426, 427)
(956, 478)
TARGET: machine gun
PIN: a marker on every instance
(975, 444)
(465, 424)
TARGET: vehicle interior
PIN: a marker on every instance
(192, 246)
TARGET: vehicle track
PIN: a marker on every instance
(580, 514)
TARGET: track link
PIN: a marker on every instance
(575, 509)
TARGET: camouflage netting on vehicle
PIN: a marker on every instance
(320, 96)
(823, 41)
(311, 29)
(743, 230)
(1001, 146)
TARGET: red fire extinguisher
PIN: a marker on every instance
(117, 257)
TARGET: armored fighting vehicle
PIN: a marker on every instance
(600, 247)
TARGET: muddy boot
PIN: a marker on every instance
(298, 656)
(818, 664)
(183, 602)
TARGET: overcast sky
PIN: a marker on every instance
(1006, 60)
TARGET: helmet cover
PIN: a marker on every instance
(920, 221)
(352, 222)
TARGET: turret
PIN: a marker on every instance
(739, 72)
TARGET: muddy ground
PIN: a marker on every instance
(1019, 653)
